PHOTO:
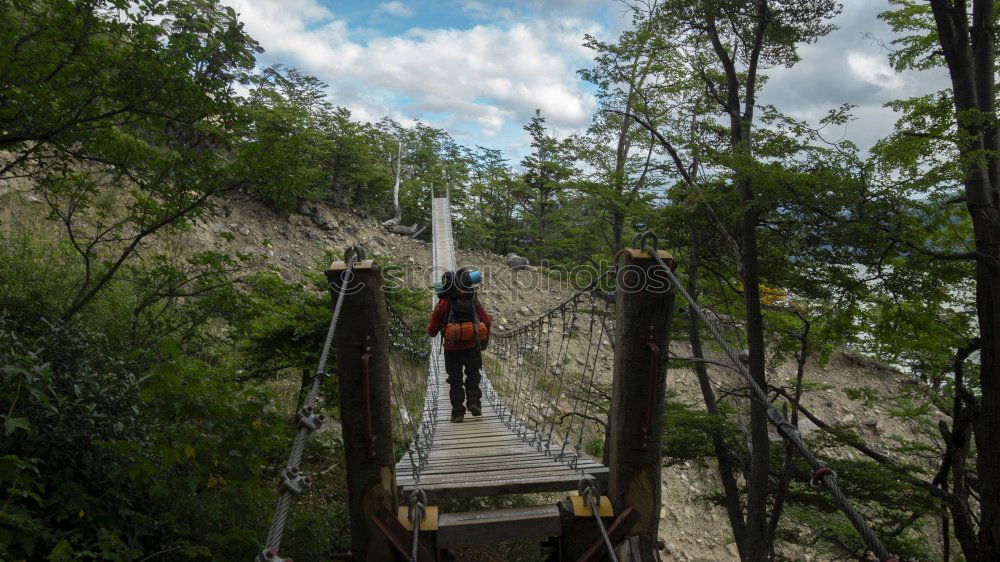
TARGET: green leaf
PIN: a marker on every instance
(11, 424)
(62, 551)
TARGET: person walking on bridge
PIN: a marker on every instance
(464, 326)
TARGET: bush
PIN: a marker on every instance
(126, 433)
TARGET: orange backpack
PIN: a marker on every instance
(464, 331)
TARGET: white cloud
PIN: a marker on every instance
(849, 66)
(473, 81)
(397, 9)
(874, 69)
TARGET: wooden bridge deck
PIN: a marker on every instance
(480, 456)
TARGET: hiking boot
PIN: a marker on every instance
(457, 418)
(475, 409)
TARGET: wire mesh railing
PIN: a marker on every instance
(413, 376)
(544, 377)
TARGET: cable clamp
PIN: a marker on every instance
(309, 419)
(817, 477)
(270, 555)
(294, 481)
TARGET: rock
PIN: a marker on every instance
(516, 262)
(869, 421)
(806, 426)
(32, 199)
(525, 310)
(879, 427)
(845, 420)
(671, 549)
(305, 208)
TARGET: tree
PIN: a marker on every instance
(630, 76)
(546, 173)
(123, 114)
(489, 210)
(943, 153)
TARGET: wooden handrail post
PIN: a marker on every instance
(362, 349)
(644, 311)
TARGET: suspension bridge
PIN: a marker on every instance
(572, 418)
(496, 453)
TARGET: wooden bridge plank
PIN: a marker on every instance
(503, 461)
(505, 475)
(525, 475)
(486, 527)
(514, 463)
(477, 488)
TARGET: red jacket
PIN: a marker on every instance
(439, 318)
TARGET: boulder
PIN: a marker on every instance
(879, 427)
(516, 262)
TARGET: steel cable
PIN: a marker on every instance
(586, 489)
(294, 482)
(822, 474)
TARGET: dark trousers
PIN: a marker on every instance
(471, 361)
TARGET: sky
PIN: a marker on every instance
(480, 68)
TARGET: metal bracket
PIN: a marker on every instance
(429, 521)
(391, 529)
(654, 367)
(366, 357)
(270, 555)
(309, 419)
(294, 481)
(617, 529)
(581, 509)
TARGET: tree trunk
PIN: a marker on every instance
(726, 472)
(542, 204)
(395, 185)
(757, 479)
(969, 53)
(621, 157)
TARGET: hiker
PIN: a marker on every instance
(464, 326)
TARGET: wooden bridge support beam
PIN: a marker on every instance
(644, 311)
(362, 349)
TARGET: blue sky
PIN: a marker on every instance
(479, 69)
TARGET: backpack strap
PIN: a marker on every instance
(475, 320)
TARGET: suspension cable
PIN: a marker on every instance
(586, 489)
(415, 512)
(294, 481)
(822, 475)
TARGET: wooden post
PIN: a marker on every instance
(644, 311)
(362, 348)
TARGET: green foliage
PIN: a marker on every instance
(688, 431)
(126, 432)
(594, 447)
(113, 453)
